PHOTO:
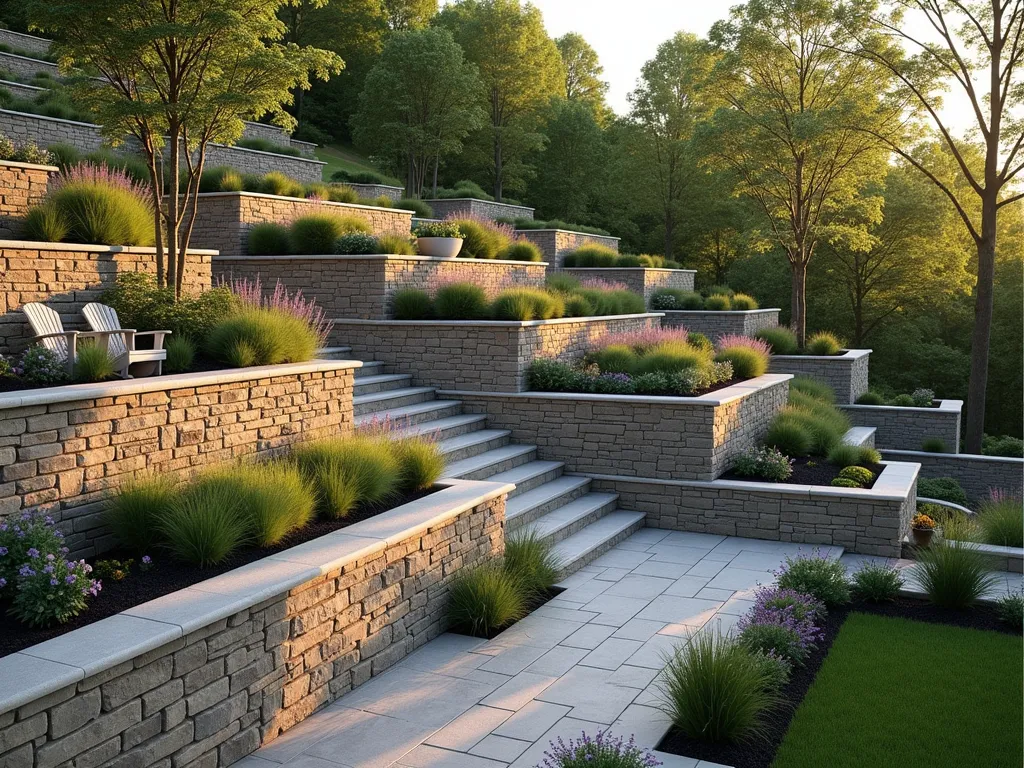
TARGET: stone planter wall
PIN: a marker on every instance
(716, 324)
(204, 676)
(21, 90)
(478, 355)
(364, 286)
(866, 521)
(63, 449)
(377, 190)
(253, 161)
(907, 428)
(23, 66)
(22, 186)
(225, 218)
(484, 209)
(639, 279)
(694, 438)
(977, 474)
(67, 276)
(24, 42)
(555, 243)
(847, 373)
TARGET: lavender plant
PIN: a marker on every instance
(52, 590)
(600, 751)
(783, 622)
(19, 536)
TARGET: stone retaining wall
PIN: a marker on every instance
(202, 677)
(716, 324)
(847, 373)
(638, 279)
(22, 186)
(225, 218)
(63, 449)
(555, 243)
(478, 355)
(67, 276)
(907, 428)
(482, 209)
(377, 190)
(364, 286)
(24, 42)
(27, 67)
(253, 161)
(20, 90)
(867, 522)
(275, 133)
(694, 438)
(977, 474)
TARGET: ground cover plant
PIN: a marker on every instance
(593, 256)
(600, 751)
(783, 341)
(919, 398)
(522, 223)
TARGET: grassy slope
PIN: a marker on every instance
(894, 692)
(340, 157)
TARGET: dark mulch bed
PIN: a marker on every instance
(807, 471)
(167, 575)
(760, 752)
(533, 605)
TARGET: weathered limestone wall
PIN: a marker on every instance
(976, 474)
(847, 373)
(23, 42)
(22, 186)
(907, 428)
(21, 90)
(482, 209)
(716, 324)
(25, 66)
(555, 243)
(377, 190)
(638, 279)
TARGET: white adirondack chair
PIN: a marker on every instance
(50, 333)
(131, 362)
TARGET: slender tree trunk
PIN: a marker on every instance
(497, 165)
(437, 162)
(798, 311)
(981, 336)
(173, 207)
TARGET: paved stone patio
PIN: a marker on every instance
(586, 661)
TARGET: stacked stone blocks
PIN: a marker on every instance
(555, 243)
(477, 209)
(640, 280)
(717, 324)
(905, 428)
(846, 373)
(22, 186)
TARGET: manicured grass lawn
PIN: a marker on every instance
(344, 158)
(894, 692)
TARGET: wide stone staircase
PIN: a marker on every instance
(560, 508)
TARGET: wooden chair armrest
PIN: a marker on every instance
(58, 334)
(158, 337)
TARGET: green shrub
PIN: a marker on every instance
(765, 463)
(46, 224)
(342, 194)
(718, 290)
(265, 145)
(953, 574)
(701, 342)
(923, 398)
(747, 363)
(316, 191)
(562, 282)
(274, 498)
(860, 475)
(531, 561)
(615, 358)
(420, 462)
(1003, 445)
(485, 599)
(261, 337)
(844, 455)
(1001, 520)
(268, 239)
(181, 353)
(275, 183)
(844, 482)
(461, 301)
(552, 376)
(398, 245)
(627, 303)
(358, 470)
(438, 229)
(668, 359)
(412, 304)
(743, 303)
(789, 436)
(774, 669)
(220, 178)
(141, 304)
(134, 513)
(578, 306)
(357, 243)
(520, 250)
(317, 233)
(902, 401)
(717, 302)
(823, 343)
(591, 256)
(933, 445)
(205, 522)
(868, 455)
(676, 299)
(466, 188)
(870, 398)
(877, 583)
(101, 213)
(629, 261)
(63, 155)
(419, 208)
(714, 690)
(820, 577)
(812, 388)
(360, 177)
(942, 488)
(1011, 610)
(93, 363)
(480, 240)
(773, 638)
(781, 339)
(527, 304)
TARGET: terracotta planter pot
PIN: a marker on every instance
(441, 247)
(922, 536)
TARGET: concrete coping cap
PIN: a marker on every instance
(492, 323)
(847, 356)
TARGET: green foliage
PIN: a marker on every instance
(357, 243)
(741, 302)
(265, 145)
(220, 178)
(261, 337)
(412, 304)
(789, 437)
(527, 304)
(870, 398)
(764, 463)
(317, 233)
(862, 476)
(877, 583)
(578, 306)
(701, 342)
(363, 470)
(614, 358)
(820, 577)
(591, 256)
(714, 690)
(461, 301)
(52, 592)
(717, 302)
(923, 398)
(520, 250)
(464, 189)
(438, 229)
(273, 498)
(529, 559)
(141, 305)
(1003, 445)
(934, 445)
(342, 194)
(46, 224)
(868, 455)
(485, 599)
(553, 376)
(93, 363)
(99, 213)
(953, 574)
(812, 388)
(268, 239)
(481, 240)
(420, 209)
(40, 365)
(845, 455)
(276, 183)
(823, 343)
(134, 513)
(1001, 520)
(747, 363)
(781, 339)
(766, 638)
(902, 401)
(420, 461)
(396, 244)
(1011, 610)
(205, 523)
(181, 353)
(844, 482)
(676, 298)
(942, 488)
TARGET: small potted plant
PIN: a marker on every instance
(922, 528)
(442, 239)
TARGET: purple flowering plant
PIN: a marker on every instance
(52, 590)
(782, 621)
(21, 534)
(600, 751)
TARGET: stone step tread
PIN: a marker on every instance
(370, 368)
(395, 415)
(438, 426)
(391, 394)
(542, 494)
(459, 442)
(582, 543)
(333, 353)
(382, 378)
(548, 525)
(488, 458)
(525, 472)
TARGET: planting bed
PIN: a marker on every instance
(535, 602)
(555, 243)
(810, 471)
(714, 324)
(846, 373)
(906, 427)
(868, 695)
(642, 280)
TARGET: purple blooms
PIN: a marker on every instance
(597, 750)
(3, 583)
(794, 612)
(32, 552)
(146, 560)
(3, 551)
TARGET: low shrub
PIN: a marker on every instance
(265, 145)
(20, 534)
(141, 304)
(812, 388)
(342, 194)
(420, 209)
(741, 302)
(531, 561)
(438, 229)
(275, 183)
(877, 583)
(463, 189)
(484, 600)
(675, 298)
(181, 353)
(205, 522)
(318, 233)
(844, 482)
(461, 301)
(553, 376)
(902, 401)
(357, 243)
(781, 622)
(268, 239)
(747, 363)
(933, 445)
(521, 250)
(1001, 520)
(823, 343)
(39, 365)
(592, 255)
(765, 463)
(773, 638)
(923, 398)
(261, 337)
(781, 339)
(412, 304)
(818, 576)
(1010, 609)
(420, 463)
(600, 751)
(397, 245)
(1003, 445)
(870, 398)
(942, 488)
(953, 574)
(860, 475)
(481, 239)
(52, 590)
(93, 363)
(360, 177)
(717, 302)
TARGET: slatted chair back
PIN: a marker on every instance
(103, 318)
(43, 321)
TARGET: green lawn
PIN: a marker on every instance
(340, 157)
(901, 693)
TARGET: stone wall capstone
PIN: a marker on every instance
(482, 209)
(67, 276)
(638, 279)
(907, 428)
(478, 355)
(364, 286)
(717, 324)
(976, 474)
(555, 243)
(846, 373)
(64, 449)
(20, 90)
(22, 186)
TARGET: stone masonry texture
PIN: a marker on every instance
(377, 190)
(907, 428)
(848, 376)
(861, 525)
(364, 286)
(20, 90)
(208, 699)
(976, 474)
(683, 440)
(225, 218)
(64, 458)
(67, 277)
(717, 324)
(22, 186)
(555, 243)
(25, 66)
(478, 356)
(28, 43)
(483, 209)
(638, 279)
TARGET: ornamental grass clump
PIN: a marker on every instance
(877, 583)
(134, 513)
(461, 301)
(823, 343)
(93, 363)
(412, 304)
(317, 233)
(591, 256)
(1001, 519)
(520, 250)
(273, 498)
(816, 575)
(1010, 609)
(600, 751)
(357, 470)
(205, 523)
(531, 561)
(781, 339)
(420, 462)
(397, 245)
(813, 389)
(954, 574)
(261, 337)
(741, 302)
(749, 357)
(481, 238)
(268, 239)
(181, 354)
(718, 302)
(527, 304)
(485, 599)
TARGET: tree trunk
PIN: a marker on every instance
(982, 333)
(173, 207)
(437, 162)
(497, 165)
(798, 300)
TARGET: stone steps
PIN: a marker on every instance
(562, 522)
(471, 444)
(391, 399)
(370, 368)
(483, 466)
(335, 353)
(597, 538)
(446, 428)
(400, 418)
(384, 382)
(530, 476)
(529, 505)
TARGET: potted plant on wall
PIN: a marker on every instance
(442, 239)
(922, 528)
